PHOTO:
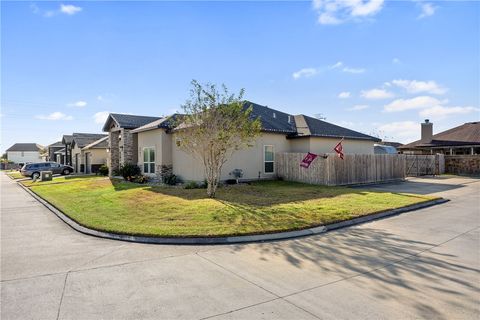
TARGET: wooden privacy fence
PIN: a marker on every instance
(333, 171)
(420, 165)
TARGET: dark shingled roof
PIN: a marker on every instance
(56, 144)
(101, 143)
(67, 139)
(164, 122)
(128, 121)
(83, 139)
(319, 128)
(25, 147)
(465, 135)
(272, 120)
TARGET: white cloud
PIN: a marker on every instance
(376, 94)
(395, 60)
(69, 9)
(421, 102)
(78, 104)
(428, 10)
(304, 73)
(353, 70)
(402, 131)
(339, 64)
(55, 116)
(101, 117)
(358, 107)
(344, 68)
(344, 95)
(415, 86)
(334, 12)
(439, 112)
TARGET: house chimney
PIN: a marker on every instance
(427, 131)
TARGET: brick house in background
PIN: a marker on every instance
(461, 140)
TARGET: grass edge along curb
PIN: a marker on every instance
(230, 239)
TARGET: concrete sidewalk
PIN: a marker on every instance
(423, 264)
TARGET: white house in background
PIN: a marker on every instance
(25, 152)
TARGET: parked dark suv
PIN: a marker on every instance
(33, 169)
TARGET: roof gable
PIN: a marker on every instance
(25, 147)
(127, 121)
(83, 139)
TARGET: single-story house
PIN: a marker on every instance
(154, 144)
(52, 149)
(464, 139)
(25, 152)
(89, 151)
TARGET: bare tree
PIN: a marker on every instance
(215, 125)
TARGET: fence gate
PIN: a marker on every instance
(420, 165)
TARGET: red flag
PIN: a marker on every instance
(339, 149)
(307, 161)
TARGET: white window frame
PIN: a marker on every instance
(264, 161)
(150, 161)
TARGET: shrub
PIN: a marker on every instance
(140, 179)
(231, 181)
(129, 171)
(103, 170)
(169, 178)
(191, 185)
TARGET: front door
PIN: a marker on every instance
(76, 163)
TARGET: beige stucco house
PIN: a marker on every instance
(154, 146)
(89, 152)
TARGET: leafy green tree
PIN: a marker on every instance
(214, 126)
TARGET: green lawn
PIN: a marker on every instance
(14, 174)
(262, 207)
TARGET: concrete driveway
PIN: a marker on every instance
(422, 264)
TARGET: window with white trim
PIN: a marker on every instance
(148, 160)
(268, 159)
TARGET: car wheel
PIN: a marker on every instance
(35, 175)
(66, 172)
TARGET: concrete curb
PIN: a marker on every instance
(233, 239)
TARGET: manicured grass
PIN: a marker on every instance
(60, 179)
(262, 207)
(15, 174)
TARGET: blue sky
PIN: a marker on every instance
(373, 66)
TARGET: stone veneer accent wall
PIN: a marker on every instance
(129, 147)
(462, 164)
(114, 154)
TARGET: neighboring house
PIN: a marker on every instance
(52, 149)
(67, 142)
(386, 147)
(25, 152)
(96, 155)
(83, 160)
(60, 156)
(155, 144)
(122, 143)
(464, 139)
